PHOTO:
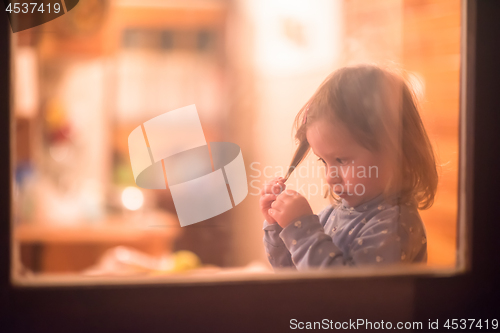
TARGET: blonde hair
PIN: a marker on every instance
(380, 110)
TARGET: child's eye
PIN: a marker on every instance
(341, 161)
(322, 160)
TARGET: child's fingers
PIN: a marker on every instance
(267, 189)
(278, 188)
(275, 180)
(273, 188)
(277, 205)
(273, 213)
(269, 196)
(270, 219)
(288, 193)
(280, 199)
(266, 199)
(268, 186)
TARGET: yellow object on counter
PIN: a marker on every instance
(185, 260)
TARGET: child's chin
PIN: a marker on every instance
(352, 200)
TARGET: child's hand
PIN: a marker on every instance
(288, 206)
(268, 194)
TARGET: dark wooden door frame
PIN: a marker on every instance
(269, 306)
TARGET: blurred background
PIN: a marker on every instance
(85, 80)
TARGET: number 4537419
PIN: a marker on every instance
(33, 7)
(471, 323)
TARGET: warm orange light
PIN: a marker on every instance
(132, 198)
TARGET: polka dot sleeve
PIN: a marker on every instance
(277, 253)
(386, 236)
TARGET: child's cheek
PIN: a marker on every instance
(364, 186)
(365, 179)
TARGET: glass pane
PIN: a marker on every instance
(113, 179)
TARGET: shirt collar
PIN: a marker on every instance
(380, 202)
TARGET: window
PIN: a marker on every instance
(80, 92)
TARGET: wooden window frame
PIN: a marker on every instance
(268, 305)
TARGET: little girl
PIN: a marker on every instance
(363, 124)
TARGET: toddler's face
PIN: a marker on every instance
(354, 173)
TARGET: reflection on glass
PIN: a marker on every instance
(83, 82)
